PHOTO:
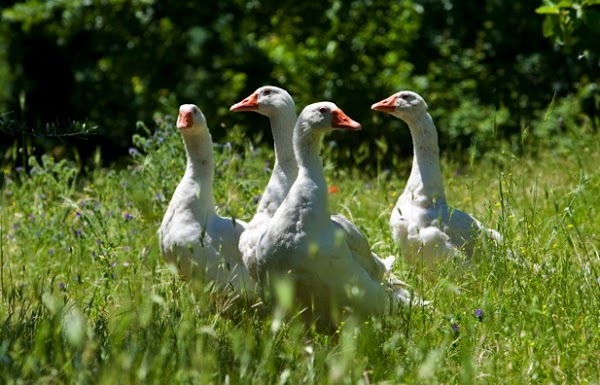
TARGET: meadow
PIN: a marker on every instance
(86, 297)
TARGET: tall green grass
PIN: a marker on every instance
(86, 297)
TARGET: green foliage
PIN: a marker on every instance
(485, 68)
(86, 298)
(571, 23)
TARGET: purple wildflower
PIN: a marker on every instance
(19, 169)
(78, 214)
(455, 328)
(128, 217)
(51, 251)
(133, 152)
(61, 286)
(479, 314)
(78, 232)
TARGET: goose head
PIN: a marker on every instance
(265, 100)
(191, 120)
(325, 116)
(402, 104)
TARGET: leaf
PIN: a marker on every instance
(548, 27)
(548, 10)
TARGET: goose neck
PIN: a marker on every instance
(200, 167)
(426, 177)
(307, 147)
(282, 128)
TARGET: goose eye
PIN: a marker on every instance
(267, 92)
(323, 110)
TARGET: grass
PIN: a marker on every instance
(86, 297)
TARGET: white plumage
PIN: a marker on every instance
(276, 104)
(423, 224)
(202, 244)
(327, 260)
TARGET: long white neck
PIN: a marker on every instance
(425, 184)
(282, 127)
(285, 169)
(197, 182)
(307, 147)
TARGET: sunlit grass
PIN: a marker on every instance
(86, 297)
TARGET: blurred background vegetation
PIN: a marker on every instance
(492, 71)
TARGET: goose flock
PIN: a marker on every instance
(293, 237)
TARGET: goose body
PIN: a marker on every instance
(202, 244)
(278, 105)
(327, 260)
(422, 223)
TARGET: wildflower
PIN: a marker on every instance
(158, 197)
(128, 217)
(78, 232)
(333, 189)
(479, 314)
(61, 286)
(78, 214)
(51, 251)
(133, 152)
(256, 198)
(19, 169)
(455, 328)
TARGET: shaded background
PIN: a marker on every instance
(490, 70)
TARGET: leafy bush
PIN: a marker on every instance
(484, 67)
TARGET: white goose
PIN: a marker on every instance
(201, 243)
(277, 104)
(423, 224)
(303, 244)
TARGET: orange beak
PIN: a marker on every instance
(248, 104)
(386, 105)
(185, 119)
(340, 120)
